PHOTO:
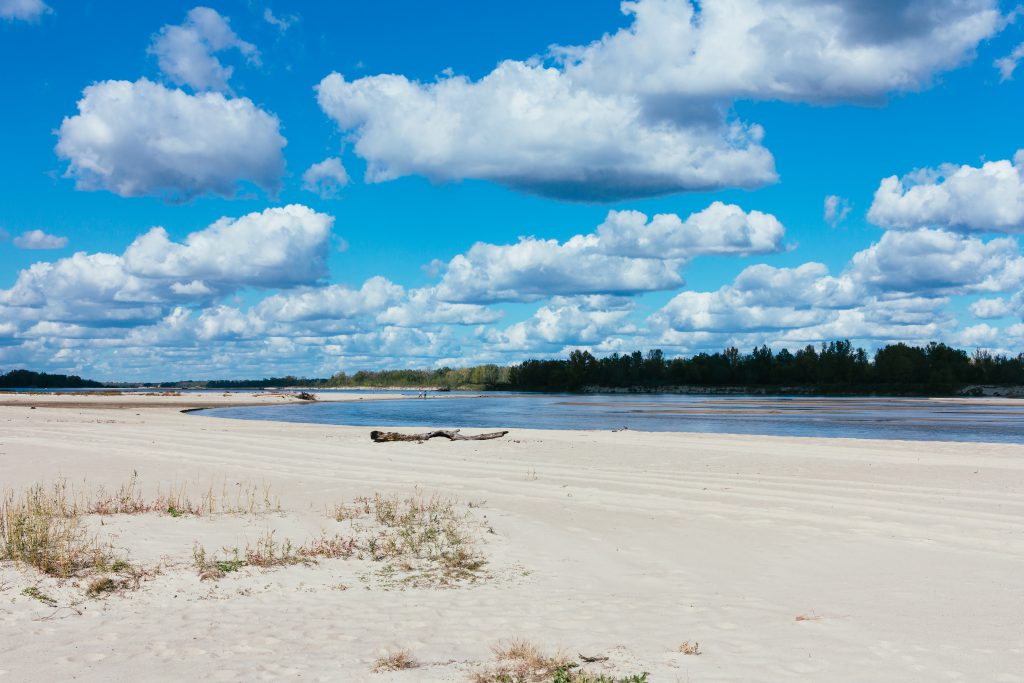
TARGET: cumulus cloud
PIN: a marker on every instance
(626, 254)
(978, 335)
(762, 297)
(185, 52)
(987, 309)
(326, 178)
(275, 248)
(143, 138)
(24, 10)
(645, 111)
(1008, 64)
(718, 229)
(565, 321)
(527, 126)
(836, 209)
(792, 50)
(986, 198)
(37, 239)
(278, 247)
(896, 289)
(533, 269)
(939, 261)
(331, 302)
(422, 307)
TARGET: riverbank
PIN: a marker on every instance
(785, 558)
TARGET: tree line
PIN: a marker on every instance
(835, 366)
(26, 379)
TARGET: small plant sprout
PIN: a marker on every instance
(36, 594)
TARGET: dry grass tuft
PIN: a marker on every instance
(688, 648)
(807, 617)
(267, 553)
(427, 537)
(395, 661)
(100, 585)
(239, 498)
(522, 662)
(40, 528)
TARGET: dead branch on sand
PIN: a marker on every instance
(450, 434)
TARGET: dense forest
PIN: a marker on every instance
(26, 379)
(835, 367)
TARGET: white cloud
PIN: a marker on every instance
(422, 307)
(142, 138)
(625, 255)
(533, 269)
(987, 309)
(24, 10)
(278, 247)
(939, 262)
(718, 229)
(896, 289)
(37, 239)
(792, 50)
(1008, 64)
(989, 198)
(645, 111)
(565, 321)
(326, 178)
(185, 53)
(331, 302)
(978, 335)
(836, 209)
(529, 127)
(761, 298)
(283, 23)
(80, 287)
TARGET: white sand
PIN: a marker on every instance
(910, 555)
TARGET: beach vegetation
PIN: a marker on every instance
(177, 501)
(41, 527)
(266, 552)
(428, 537)
(523, 662)
(36, 594)
(688, 648)
(395, 661)
(100, 585)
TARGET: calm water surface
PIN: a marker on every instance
(863, 418)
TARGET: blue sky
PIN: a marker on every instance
(480, 123)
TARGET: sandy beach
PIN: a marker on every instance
(787, 559)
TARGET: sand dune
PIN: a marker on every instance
(903, 559)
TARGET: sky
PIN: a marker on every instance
(251, 188)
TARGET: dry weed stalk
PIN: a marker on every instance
(395, 661)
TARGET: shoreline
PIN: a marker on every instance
(786, 558)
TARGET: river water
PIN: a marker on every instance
(977, 420)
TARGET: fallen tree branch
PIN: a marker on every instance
(450, 434)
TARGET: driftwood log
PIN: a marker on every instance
(450, 434)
